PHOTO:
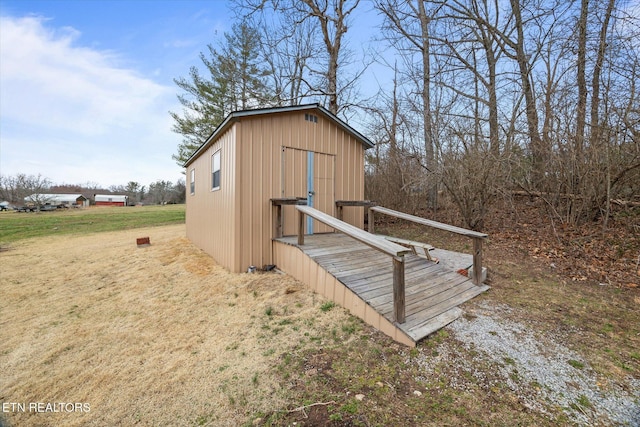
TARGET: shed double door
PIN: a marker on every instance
(309, 175)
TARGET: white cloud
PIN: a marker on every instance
(74, 114)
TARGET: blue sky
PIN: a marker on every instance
(86, 86)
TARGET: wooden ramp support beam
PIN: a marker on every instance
(476, 236)
(396, 251)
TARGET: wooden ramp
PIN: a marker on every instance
(432, 292)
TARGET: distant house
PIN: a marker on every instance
(111, 200)
(58, 199)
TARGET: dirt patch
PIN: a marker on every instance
(158, 335)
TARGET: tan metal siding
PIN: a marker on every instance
(295, 170)
(294, 176)
(260, 142)
(350, 177)
(210, 215)
(323, 185)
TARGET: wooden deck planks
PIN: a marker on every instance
(432, 293)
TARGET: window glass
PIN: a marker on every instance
(192, 182)
(215, 170)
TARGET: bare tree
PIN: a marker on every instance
(234, 80)
(471, 33)
(160, 192)
(22, 187)
(581, 80)
(326, 19)
(411, 23)
(288, 50)
(538, 149)
(597, 72)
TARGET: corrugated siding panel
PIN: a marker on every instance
(323, 185)
(210, 215)
(350, 176)
(294, 184)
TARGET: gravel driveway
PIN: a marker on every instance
(541, 371)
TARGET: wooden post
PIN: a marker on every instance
(300, 228)
(477, 261)
(278, 220)
(370, 221)
(340, 212)
(398, 289)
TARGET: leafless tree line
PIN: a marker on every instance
(17, 189)
(489, 97)
(534, 96)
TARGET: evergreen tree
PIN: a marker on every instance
(235, 81)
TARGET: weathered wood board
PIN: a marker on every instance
(432, 291)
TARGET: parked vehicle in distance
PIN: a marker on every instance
(47, 208)
(42, 208)
(25, 208)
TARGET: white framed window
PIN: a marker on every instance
(215, 171)
(192, 182)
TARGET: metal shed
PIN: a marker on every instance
(59, 199)
(254, 156)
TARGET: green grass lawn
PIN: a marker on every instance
(16, 226)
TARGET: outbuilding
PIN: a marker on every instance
(58, 199)
(110, 200)
(255, 156)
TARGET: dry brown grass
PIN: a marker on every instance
(151, 336)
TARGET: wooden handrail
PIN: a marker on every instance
(477, 237)
(340, 203)
(430, 223)
(376, 242)
(396, 251)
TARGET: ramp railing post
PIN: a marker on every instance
(398, 289)
(477, 261)
(370, 220)
(300, 228)
(277, 232)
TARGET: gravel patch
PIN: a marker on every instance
(539, 370)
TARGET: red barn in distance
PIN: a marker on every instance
(111, 200)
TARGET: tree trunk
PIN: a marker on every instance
(597, 71)
(581, 81)
(332, 38)
(430, 157)
(538, 151)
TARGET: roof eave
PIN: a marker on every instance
(236, 115)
